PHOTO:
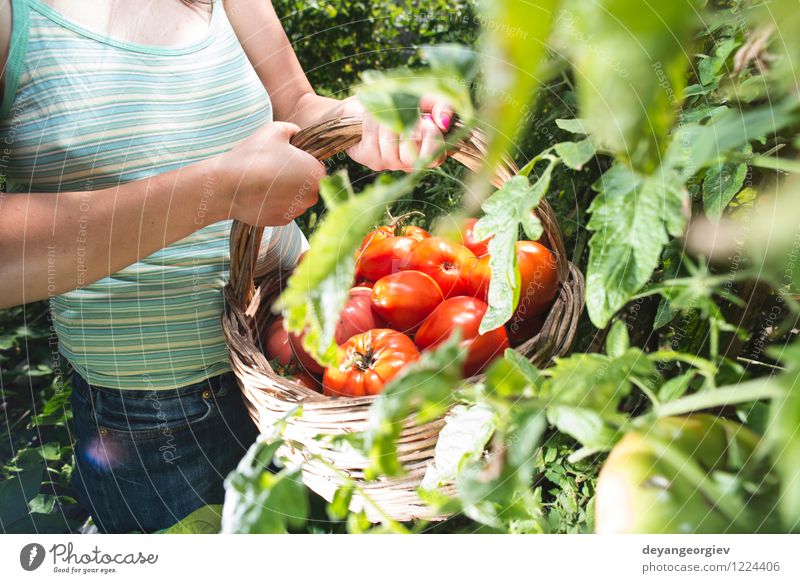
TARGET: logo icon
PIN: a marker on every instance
(31, 556)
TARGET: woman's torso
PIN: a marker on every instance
(83, 111)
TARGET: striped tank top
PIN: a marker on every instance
(82, 111)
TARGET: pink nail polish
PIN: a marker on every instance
(444, 119)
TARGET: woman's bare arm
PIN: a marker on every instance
(52, 243)
(266, 45)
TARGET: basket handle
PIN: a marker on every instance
(334, 136)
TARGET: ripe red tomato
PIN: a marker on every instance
(276, 342)
(308, 380)
(404, 299)
(464, 313)
(538, 272)
(446, 262)
(304, 359)
(367, 362)
(382, 257)
(479, 278)
(469, 241)
(357, 316)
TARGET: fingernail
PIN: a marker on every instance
(444, 119)
(427, 116)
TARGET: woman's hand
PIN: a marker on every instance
(382, 149)
(269, 182)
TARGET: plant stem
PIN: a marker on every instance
(754, 390)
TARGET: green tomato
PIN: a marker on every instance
(639, 491)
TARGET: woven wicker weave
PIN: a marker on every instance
(270, 397)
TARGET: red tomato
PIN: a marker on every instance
(276, 343)
(357, 316)
(308, 380)
(365, 283)
(386, 231)
(464, 313)
(521, 330)
(367, 362)
(404, 299)
(538, 272)
(304, 358)
(469, 241)
(479, 278)
(383, 257)
(414, 232)
(446, 262)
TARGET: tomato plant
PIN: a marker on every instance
(366, 362)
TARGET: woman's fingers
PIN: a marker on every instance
(432, 142)
(390, 148)
(409, 148)
(440, 111)
(368, 150)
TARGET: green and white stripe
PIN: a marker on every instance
(82, 111)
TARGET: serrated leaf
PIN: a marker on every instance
(205, 520)
(575, 154)
(631, 219)
(504, 212)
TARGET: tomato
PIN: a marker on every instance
(538, 272)
(464, 313)
(304, 359)
(468, 240)
(521, 330)
(639, 491)
(365, 283)
(308, 380)
(357, 316)
(478, 279)
(386, 231)
(383, 257)
(404, 299)
(367, 362)
(276, 342)
(446, 262)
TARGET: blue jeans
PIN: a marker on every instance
(146, 459)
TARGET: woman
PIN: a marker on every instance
(132, 133)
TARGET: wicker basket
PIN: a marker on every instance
(270, 397)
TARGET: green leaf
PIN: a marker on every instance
(721, 184)
(617, 341)
(340, 504)
(573, 126)
(317, 290)
(451, 58)
(425, 386)
(393, 97)
(205, 520)
(575, 154)
(676, 387)
(17, 491)
(585, 425)
(462, 440)
(630, 61)
(504, 212)
(260, 502)
(514, 47)
(694, 147)
(631, 219)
